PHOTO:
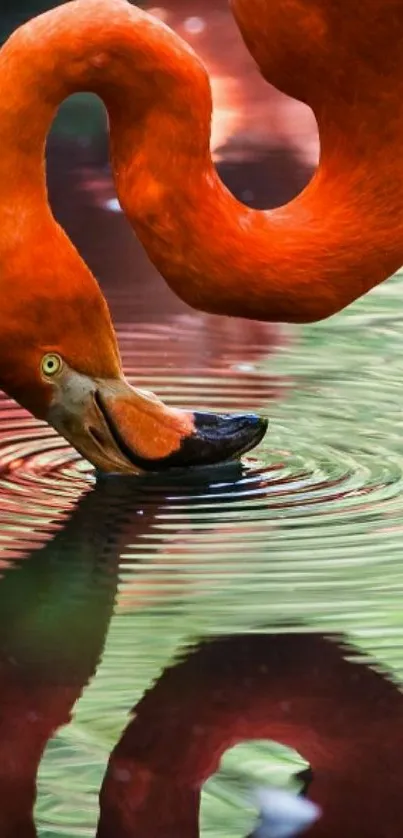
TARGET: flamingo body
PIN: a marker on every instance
(307, 260)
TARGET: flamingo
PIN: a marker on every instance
(299, 263)
(59, 353)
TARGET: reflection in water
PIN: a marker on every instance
(343, 717)
(283, 814)
(55, 608)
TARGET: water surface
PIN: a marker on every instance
(105, 582)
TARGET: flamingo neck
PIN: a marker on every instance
(295, 689)
(102, 46)
(298, 263)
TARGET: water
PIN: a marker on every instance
(108, 582)
(104, 582)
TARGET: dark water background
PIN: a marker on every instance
(104, 584)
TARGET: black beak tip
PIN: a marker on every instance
(227, 424)
(256, 424)
(249, 427)
(220, 437)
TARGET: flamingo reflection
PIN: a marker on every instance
(298, 689)
(56, 602)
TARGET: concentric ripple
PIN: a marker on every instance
(331, 465)
(307, 529)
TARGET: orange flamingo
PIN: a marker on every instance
(341, 236)
(58, 349)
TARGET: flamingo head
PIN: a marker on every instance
(59, 358)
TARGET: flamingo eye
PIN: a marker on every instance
(51, 364)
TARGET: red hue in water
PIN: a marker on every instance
(344, 718)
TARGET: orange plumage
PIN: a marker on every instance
(301, 262)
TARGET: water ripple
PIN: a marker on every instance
(307, 529)
(319, 472)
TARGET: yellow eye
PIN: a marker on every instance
(51, 364)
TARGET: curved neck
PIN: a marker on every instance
(340, 237)
(114, 50)
(345, 719)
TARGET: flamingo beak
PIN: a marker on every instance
(121, 429)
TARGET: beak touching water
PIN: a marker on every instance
(121, 429)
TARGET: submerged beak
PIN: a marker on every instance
(120, 429)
